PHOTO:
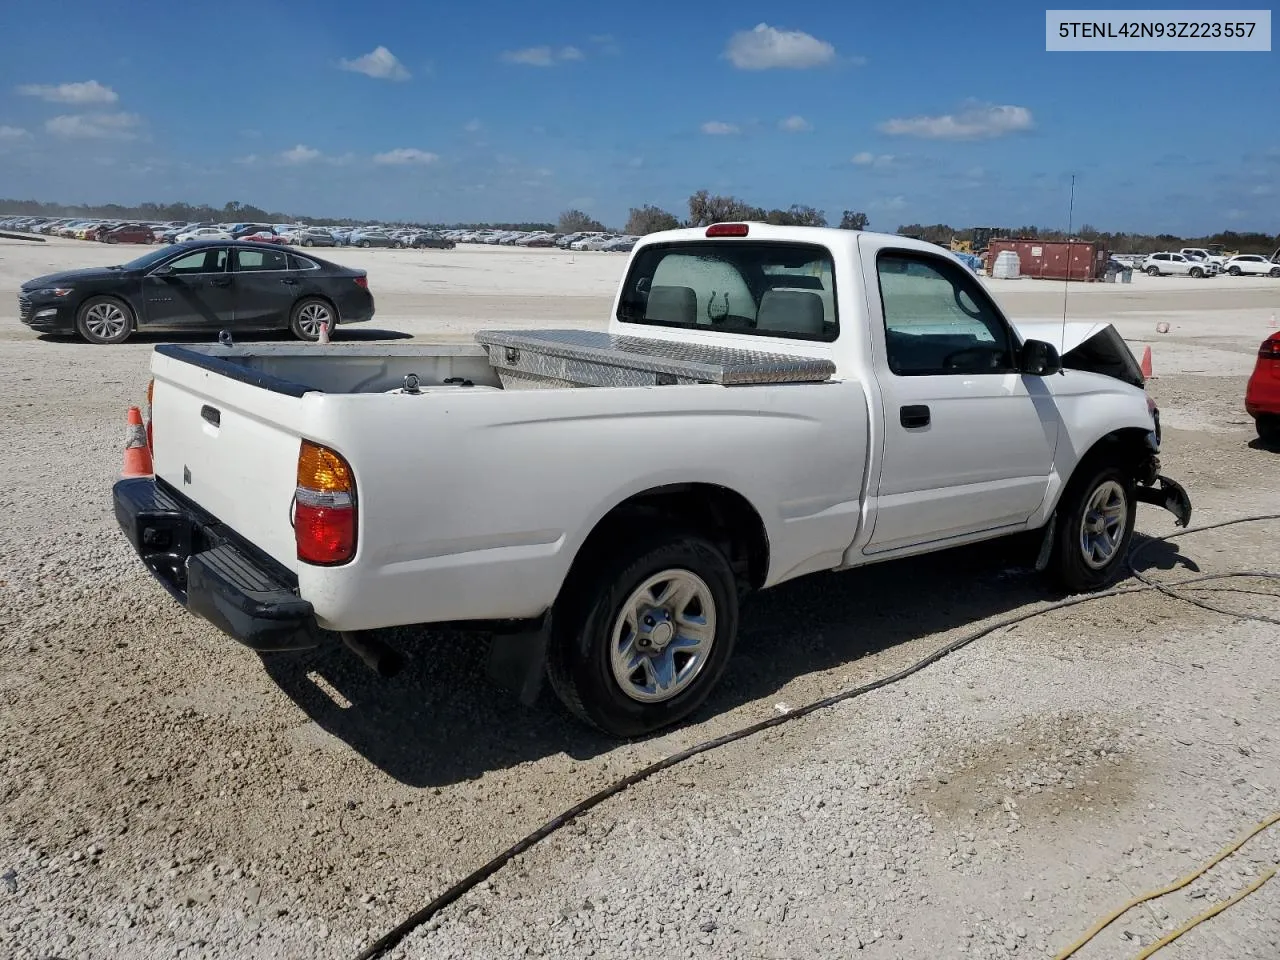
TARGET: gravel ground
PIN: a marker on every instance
(165, 793)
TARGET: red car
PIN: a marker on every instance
(1262, 397)
(129, 233)
(264, 237)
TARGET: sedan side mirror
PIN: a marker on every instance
(1039, 359)
(162, 271)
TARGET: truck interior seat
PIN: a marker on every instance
(791, 311)
(672, 305)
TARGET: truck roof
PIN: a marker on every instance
(832, 237)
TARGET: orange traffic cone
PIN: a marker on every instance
(1146, 363)
(137, 457)
(324, 332)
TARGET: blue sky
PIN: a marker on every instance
(927, 112)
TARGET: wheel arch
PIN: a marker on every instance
(724, 516)
(1126, 446)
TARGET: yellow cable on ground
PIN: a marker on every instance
(1176, 885)
(1212, 912)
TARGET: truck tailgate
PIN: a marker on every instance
(239, 466)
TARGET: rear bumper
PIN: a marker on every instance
(211, 571)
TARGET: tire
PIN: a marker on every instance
(397, 245)
(1268, 427)
(307, 315)
(1095, 484)
(1197, 272)
(363, 243)
(580, 664)
(307, 243)
(105, 320)
(1234, 271)
(1153, 271)
(1274, 272)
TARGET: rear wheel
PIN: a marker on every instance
(308, 316)
(104, 320)
(1234, 271)
(1197, 272)
(641, 637)
(1153, 271)
(1095, 525)
(1268, 426)
(1274, 272)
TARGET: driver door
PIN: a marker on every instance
(968, 440)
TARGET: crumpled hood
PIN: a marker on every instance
(1051, 331)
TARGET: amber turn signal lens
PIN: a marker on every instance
(320, 469)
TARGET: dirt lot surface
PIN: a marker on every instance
(166, 793)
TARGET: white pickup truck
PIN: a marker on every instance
(767, 402)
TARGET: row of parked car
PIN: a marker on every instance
(1199, 262)
(303, 235)
(373, 235)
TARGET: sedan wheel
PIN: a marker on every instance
(309, 316)
(1234, 271)
(104, 320)
(1275, 272)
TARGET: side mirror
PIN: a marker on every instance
(162, 271)
(1039, 359)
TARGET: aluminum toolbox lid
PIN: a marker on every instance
(692, 361)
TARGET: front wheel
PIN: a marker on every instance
(364, 243)
(1274, 272)
(308, 316)
(1197, 272)
(104, 320)
(1095, 525)
(1153, 271)
(641, 638)
(1234, 271)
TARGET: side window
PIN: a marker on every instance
(250, 261)
(938, 321)
(202, 261)
(302, 263)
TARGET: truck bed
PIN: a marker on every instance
(503, 359)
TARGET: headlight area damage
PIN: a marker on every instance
(1097, 347)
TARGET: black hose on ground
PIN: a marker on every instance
(1175, 591)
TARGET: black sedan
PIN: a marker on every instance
(420, 240)
(200, 285)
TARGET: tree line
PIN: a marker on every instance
(703, 208)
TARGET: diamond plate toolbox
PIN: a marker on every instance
(591, 358)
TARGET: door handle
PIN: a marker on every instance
(221, 282)
(290, 281)
(914, 416)
(211, 415)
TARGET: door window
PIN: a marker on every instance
(202, 261)
(248, 261)
(938, 320)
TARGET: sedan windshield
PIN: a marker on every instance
(148, 259)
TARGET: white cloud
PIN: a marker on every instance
(795, 124)
(543, 56)
(299, 154)
(890, 203)
(473, 126)
(718, 128)
(89, 91)
(12, 133)
(868, 159)
(975, 122)
(767, 48)
(380, 63)
(94, 126)
(404, 156)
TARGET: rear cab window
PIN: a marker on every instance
(765, 288)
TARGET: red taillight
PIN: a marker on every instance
(1270, 349)
(324, 516)
(362, 282)
(727, 230)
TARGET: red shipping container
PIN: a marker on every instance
(1055, 259)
